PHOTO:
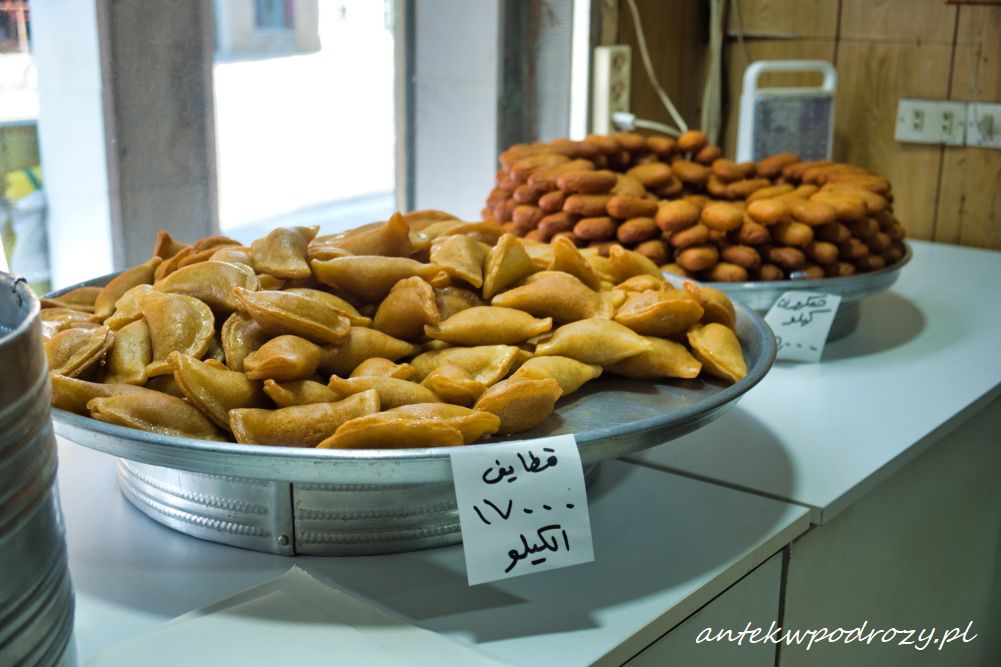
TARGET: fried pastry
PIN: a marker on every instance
(473, 424)
(284, 359)
(299, 425)
(299, 392)
(388, 430)
(665, 359)
(370, 278)
(555, 294)
(488, 325)
(75, 351)
(593, 341)
(507, 264)
(130, 354)
(236, 254)
(211, 282)
(72, 394)
(461, 257)
(454, 384)
(81, 299)
(104, 303)
(406, 309)
(343, 308)
(165, 246)
(393, 392)
(177, 323)
(521, 403)
(288, 313)
(451, 299)
(240, 335)
(55, 320)
(386, 239)
(378, 366)
(570, 373)
(154, 412)
(127, 308)
(486, 363)
(282, 253)
(659, 312)
(716, 305)
(215, 391)
(718, 348)
(625, 264)
(567, 258)
(361, 344)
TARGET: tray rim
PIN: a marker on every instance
(214, 458)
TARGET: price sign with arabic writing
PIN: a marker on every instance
(522, 507)
(801, 322)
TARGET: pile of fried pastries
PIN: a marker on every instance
(695, 213)
(420, 331)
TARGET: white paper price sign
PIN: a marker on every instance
(801, 321)
(522, 507)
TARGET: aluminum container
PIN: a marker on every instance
(289, 500)
(36, 597)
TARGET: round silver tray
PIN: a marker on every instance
(762, 295)
(311, 501)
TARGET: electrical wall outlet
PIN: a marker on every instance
(609, 85)
(983, 125)
(931, 122)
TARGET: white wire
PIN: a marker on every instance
(623, 120)
(648, 65)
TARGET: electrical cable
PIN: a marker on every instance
(623, 120)
(712, 94)
(740, 32)
(648, 66)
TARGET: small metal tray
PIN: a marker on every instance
(311, 501)
(762, 295)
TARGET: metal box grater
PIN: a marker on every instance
(797, 119)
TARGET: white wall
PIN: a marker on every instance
(71, 137)
(455, 85)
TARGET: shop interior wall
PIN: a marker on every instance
(884, 50)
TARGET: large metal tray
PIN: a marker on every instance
(761, 296)
(287, 500)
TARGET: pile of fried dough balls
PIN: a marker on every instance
(695, 213)
(420, 331)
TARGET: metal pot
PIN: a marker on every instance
(36, 596)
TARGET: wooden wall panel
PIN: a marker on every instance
(969, 202)
(920, 21)
(872, 76)
(805, 19)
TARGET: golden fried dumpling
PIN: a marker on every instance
(361, 344)
(418, 220)
(570, 373)
(593, 341)
(165, 384)
(282, 253)
(165, 246)
(451, 299)
(55, 320)
(486, 363)
(288, 313)
(389, 430)
(75, 351)
(104, 303)
(130, 354)
(406, 309)
(343, 308)
(507, 264)
(211, 282)
(215, 391)
(483, 232)
(716, 304)
(540, 253)
(127, 308)
(567, 258)
(284, 358)
(461, 257)
(299, 392)
(659, 312)
(643, 283)
(370, 278)
(200, 251)
(72, 394)
(718, 348)
(81, 299)
(665, 359)
(625, 264)
(393, 392)
(235, 254)
(154, 412)
(454, 384)
(377, 366)
(521, 403)
(488, 325)
(386, 239)
(240, 335)
(557, 295)
(602, 265)
(473, 424)
(270, 282)
(299, 425)
(177, 323)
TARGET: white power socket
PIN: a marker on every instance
(609, 85)
(983, 125)
(931, 122)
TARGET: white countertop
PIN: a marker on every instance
(664, 546)
(926, 355)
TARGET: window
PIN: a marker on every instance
(14, 26)
(274, 14)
